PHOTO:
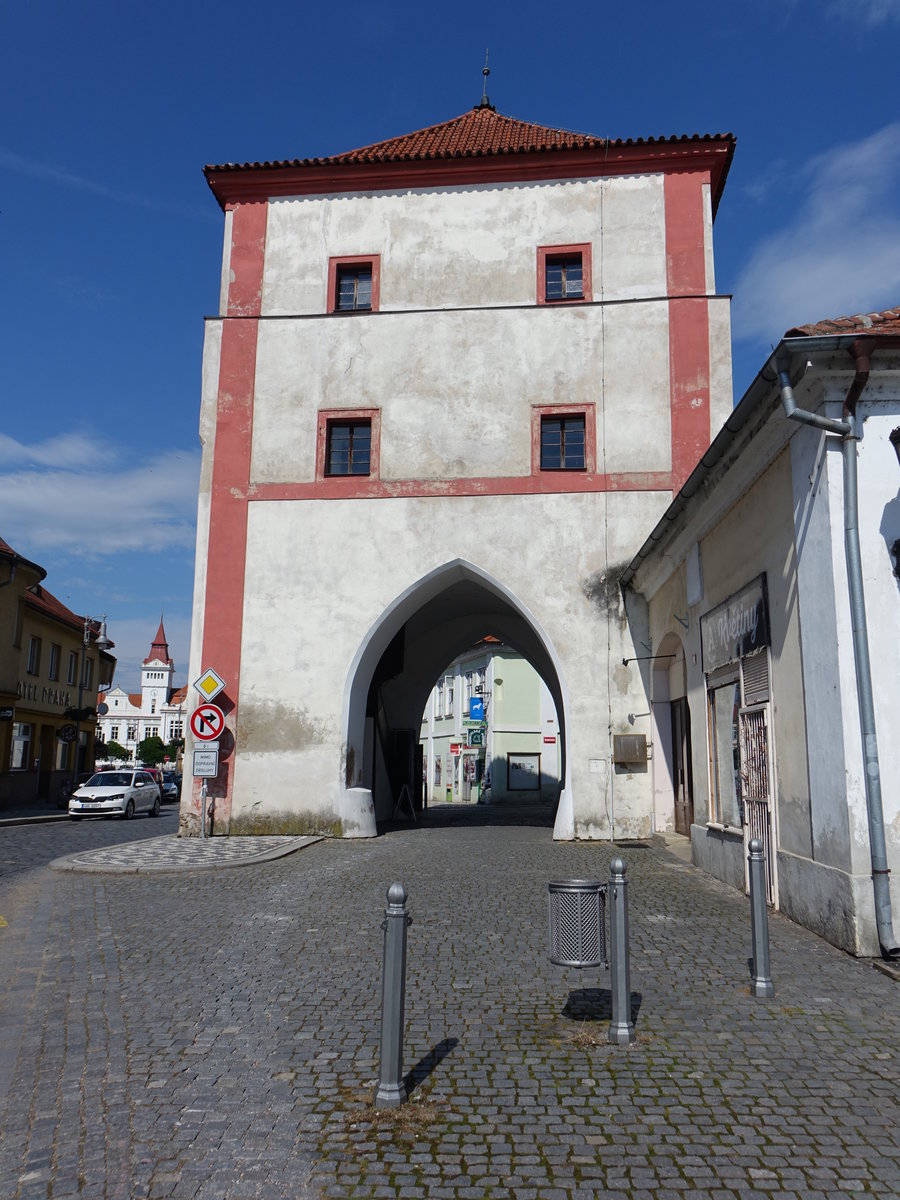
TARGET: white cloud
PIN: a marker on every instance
(62, 177)
(840, 254)
(867, 12)
(71, 491)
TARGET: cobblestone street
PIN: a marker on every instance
(215, 1034)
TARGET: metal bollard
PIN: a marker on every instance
(621, 1027)
(761, 983)
(391, 1087)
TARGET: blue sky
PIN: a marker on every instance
(111, 241)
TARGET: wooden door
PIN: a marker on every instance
(681, 766)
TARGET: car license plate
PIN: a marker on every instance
(91, 804)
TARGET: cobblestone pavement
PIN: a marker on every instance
(215, 1035)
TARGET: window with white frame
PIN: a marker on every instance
(448, 695)
(55, 655)
(88, 673)
(22, 737)
(439, 698)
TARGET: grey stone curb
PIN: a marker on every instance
(170, 853)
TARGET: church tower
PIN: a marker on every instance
(157, 671)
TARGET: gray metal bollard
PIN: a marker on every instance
(391, 1087)
(621, 1027)
(761, 983)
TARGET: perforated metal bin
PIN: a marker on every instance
(578, 923)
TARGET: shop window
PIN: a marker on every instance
(564, 274)
(22, 736)
(725, 752)
(354, 284)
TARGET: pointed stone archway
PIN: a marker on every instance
(395, 667)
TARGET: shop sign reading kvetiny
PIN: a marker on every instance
(739, 626)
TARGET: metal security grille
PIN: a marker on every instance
(755, 792)
(578, 923)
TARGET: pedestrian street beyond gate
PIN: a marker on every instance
(215, 1035)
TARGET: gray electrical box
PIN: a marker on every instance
(629, 748)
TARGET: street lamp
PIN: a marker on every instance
(79, 714)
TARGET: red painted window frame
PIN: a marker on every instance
(589, 412)
(328, 415)
(353, 260)
(545, 252)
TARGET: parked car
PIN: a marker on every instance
(116, 793)
(67, 788)
(157, 776)
(171, 787)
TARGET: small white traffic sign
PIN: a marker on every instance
(207, 722)
(210, 684)
(206, 764)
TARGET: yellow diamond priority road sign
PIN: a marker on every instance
(210, 684)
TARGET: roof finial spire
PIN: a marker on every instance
(485, 70)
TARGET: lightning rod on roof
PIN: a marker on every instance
(485, 70)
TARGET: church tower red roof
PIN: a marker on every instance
(159, 651)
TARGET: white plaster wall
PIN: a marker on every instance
(487, 250)
(455, 389)
(721, 387)
(815, 457)
(301, 631)
(879, 527)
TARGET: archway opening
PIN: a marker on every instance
(430, 625)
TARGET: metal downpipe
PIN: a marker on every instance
(846, 429)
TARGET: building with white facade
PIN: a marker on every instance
(770, 595)
(454, 378)
(157, 710)
(490, 732)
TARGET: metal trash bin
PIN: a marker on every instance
(578, 923)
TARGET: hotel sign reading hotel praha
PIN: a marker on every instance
(739, 626)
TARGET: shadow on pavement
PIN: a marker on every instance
(595, 1004)
(423, 1068)
(443, 816)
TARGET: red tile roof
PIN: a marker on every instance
(159, 650)
(875, 324)
(480, 131)
(39, 599)
(478, 134)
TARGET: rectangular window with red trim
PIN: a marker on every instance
(354, 284)
(563, 438)
(564, 274)
(348, 449)
(563, 443)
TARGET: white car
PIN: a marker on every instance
(115, 793)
